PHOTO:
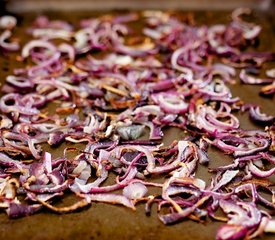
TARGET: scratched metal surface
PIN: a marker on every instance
(103, 221)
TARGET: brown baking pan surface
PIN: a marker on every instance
(103, 221)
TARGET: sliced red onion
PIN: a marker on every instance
(238, 215)
(93, 125)
(241, 142)
(5, 122)
(7, 22)
(187, 72)
(46, 188)
(7, 161)
(185, 150)
(56, 138)
(38, 170)
(108, 85)
(76, 206)
(136, 51)
(175, 217)
(161, 86)
(68, 49)
(34, 100)
(252, 80)
(270, 73)
(268, 90)
(170, 103)
(130, 132)
(56, 177)
(229, 232)
(26, 51)
(48, 33)
(16, 210)
(217, 43)
(207, 119)
(43, 21)
(9, 46)
(47, 127)
(47, 162)
(110, 198)
(41, 69)
(11, 103)
(216, 91)
(260, 173)
(155, 131)
(252, 33)
(20, 82)
(257, 116)
(270, 226)
(250, 30)
(147, 110)
(135, 191)
(228, 176)
(34, 151)
(256, 145)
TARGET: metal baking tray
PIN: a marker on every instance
(103, 221)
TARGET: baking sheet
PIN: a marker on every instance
(103, 221)
(80, 5)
